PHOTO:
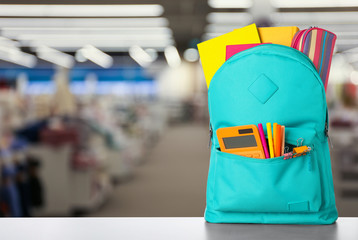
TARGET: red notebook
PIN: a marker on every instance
(231, 50)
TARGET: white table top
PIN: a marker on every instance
(167, 228)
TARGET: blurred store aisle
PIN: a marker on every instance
(172, 181)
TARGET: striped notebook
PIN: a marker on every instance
(318, 45)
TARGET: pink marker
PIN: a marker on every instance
(263, 140)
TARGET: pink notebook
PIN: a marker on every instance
(231, 50)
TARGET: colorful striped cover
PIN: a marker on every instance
(318, 45)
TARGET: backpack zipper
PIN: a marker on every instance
(300, 35)
(305, 33)
(210, 135)
(304, 36)
(296, 38)
(326, 133)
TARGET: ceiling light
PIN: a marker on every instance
(79, 56)
(191, 55)
(55, 56)
(73, 40)
(73, 10)
(222, 28)
(14, 55)
(152, 53)
(14, 32)
(115, 45)
(230, 3)
(83, 22)
(92, 37)
(172, 56)
(210, 35)
(140, 56)
(5, 42)
(334, 27)
(315, 18)
(313, 4)
(97, 56)
(229, 17)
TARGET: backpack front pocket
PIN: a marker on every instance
(266, 185)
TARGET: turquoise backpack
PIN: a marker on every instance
(270, 83)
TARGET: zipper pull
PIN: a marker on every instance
(326, 133)
(210, 135)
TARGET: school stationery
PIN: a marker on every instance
(212, 52)
(274, 138)
(287, 155)
(277, 35)
(277, 139)
(231, 50)
(270, 140)
(263, 140)
(248, 88)
(318, 45)
(241, 140)
(283, 140)
(299, 151)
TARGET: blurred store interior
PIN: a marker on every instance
(103, 104)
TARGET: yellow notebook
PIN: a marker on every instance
(212, 52)
(277, 35)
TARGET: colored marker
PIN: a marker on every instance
(283, 140)
(269, 137)
(274, 138)
(263, 141)
(277, 142)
